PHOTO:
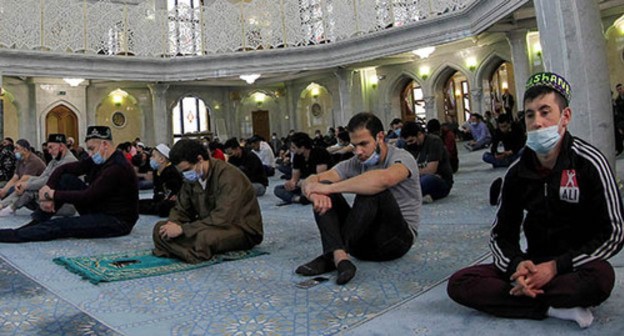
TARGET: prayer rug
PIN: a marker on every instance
(138, 264)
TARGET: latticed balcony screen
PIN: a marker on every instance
(204, 27)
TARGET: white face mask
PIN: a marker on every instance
(542, 141)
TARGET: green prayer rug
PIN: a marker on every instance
(139, 264)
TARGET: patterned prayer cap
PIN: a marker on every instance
(57, 137)
(99, 132)
(553, 81)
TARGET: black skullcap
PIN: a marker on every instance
(99, 132)
(57, 137)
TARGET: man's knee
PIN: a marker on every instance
(156, 231)
(602, 279)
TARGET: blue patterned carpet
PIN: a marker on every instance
(257, 296)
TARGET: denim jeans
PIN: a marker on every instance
(286, 195)
(434, 186)
(498, 163)
(374, 229)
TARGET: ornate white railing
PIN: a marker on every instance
(109, 27)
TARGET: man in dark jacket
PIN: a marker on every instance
(563, 195)
(512, 139)
(249, 164)
(107, 202)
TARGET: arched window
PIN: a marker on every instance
(190, 116)
(184, 27)
(413, 102)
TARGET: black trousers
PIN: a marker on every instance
(374, 229)
(87, 225)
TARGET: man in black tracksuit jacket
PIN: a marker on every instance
(573, 222)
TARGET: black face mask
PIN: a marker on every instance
(414, 148)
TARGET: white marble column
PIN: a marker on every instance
(161, 123)
(430, 111)
(345, 113)
(476, 99)
(1, 110)
(573, 45)
(520, 59)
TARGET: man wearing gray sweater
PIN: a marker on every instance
(27, 192)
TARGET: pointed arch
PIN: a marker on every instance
(45, 114)
(489, 64)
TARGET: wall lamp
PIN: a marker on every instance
(118, 96)
(424, 72)
(471, 63)
(374, 81)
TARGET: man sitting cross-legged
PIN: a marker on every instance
(563, 195)
(107, 202)
(217, 210)
(382, 223)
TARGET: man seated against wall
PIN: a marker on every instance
(26, 192)
(507, 143)
(381, 225)
(141, 164)
(7, 161)
(27, 164)
(216, 211)
(264, 152)
(249, 164)
(434, 167)
(167, 184)
(307, 160)
(563, 195)
(107, 201)
(481, 136)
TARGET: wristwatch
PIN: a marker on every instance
(47, 196)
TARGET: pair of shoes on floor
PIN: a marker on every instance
(7, 211)
(323, 264)
(427, 199)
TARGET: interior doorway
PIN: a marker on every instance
(62, 120)
(260, 123)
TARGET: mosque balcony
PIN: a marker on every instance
(135, 40)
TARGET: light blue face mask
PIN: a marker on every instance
(18, 156)
(191, 175)
(153, 164)
(98, 159)
(474, 123)
(374, 158)
(543, 140)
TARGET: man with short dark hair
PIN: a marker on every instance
(481, 136)
(434, 166)
(28, 164)
(248, 163)
(264, 152)
(507, 143)
(307, 160)
(562, 194)
(107, 202)
(217, 210)
(382, 223)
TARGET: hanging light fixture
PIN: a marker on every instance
(73, 81)
(250, 79)
(424, 52)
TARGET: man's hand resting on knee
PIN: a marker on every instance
(170, 230)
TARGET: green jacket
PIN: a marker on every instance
(228, 200)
